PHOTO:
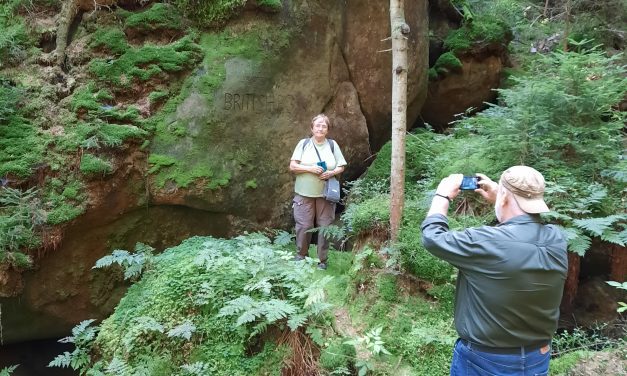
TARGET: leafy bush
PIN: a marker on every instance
(202, 305)
(14, 39)
(370, 215)
(337, 356)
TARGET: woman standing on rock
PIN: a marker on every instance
(314, 160)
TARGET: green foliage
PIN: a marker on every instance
(133, 263)
(386, 287)
(20, 217)
(445, 294)
(147, 61)
(372, 214)
(9, 98)
(113, 40)
(272, 4)
(14, 39)
(21, 145)
(622, 306)
(482, 30)
(210, 12)
(92, 165)
(372, 343)
(337, 355)
(6, 371)
(158, 16)
(252, 184)
(199, 306)
(82, 337)
(562, 365)
(158, 161)
(447, 62)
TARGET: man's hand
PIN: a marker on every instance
(488, 188)
(449, 186)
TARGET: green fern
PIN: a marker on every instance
(196, 369)
(331, 232)
(283, 238)
(82, 337)
(6, 371)
(185, 330)
(133, 263)
(599, 226)
(117, 366)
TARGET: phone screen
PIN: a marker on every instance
(469, 183)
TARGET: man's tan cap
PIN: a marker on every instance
(527, 185)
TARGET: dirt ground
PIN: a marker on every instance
(602, 364)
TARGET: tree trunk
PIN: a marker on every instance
(572, 283)
(618, 270)
(399, 113)
(68, 12)
(567, 25)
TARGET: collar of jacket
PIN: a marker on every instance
(520, 219)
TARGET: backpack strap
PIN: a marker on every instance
(308, 140)
(330, 140)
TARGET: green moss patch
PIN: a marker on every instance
(481, 30)
(159, 16)
(93, 165)
(447, 62)
(112, 40)
(146, 62)
(210, 13)
(211, 155)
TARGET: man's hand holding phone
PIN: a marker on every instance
(487, 188)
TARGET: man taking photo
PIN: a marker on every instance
(511, 276)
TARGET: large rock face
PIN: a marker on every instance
(457, 92)
(246, 129)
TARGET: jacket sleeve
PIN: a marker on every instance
(462, 249)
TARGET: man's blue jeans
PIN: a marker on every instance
(471, 362)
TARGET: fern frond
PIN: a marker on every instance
(580, 244)
(117, 366)
(249, 316)
(6, 371)
(196, 369)
(263, 285)
(185, 330)
(296, 321)
(283, 238)
(235, 306)
(597, 226)
(277, 309)
(316, 335)
(81, 327)
(61, 361)
(611, 236)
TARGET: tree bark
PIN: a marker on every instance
(618, 270)
(68, 12)
(399, 114)
(572, 283)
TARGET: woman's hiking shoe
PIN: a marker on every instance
(322, 266)
(299, 258)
